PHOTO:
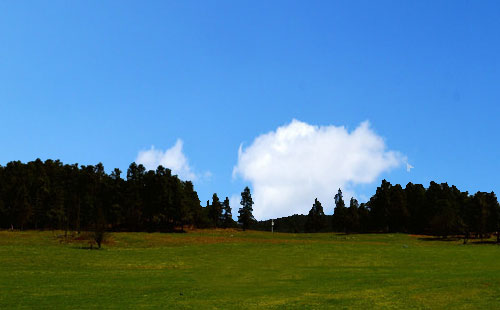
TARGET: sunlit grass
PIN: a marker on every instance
(220, 269)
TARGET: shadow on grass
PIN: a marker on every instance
(482, 242)
(87, 248)
(447, 239)
(450, 239)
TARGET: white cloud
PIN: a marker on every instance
(173, 158)
(298, 162)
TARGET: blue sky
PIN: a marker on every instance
(100, 81)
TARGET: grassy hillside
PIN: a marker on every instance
(247, 270)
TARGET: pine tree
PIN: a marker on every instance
(316, 219)
(379, 206)
(245, 217)
(227, 217)
(352, 223)
(215, 211)
(339, 213)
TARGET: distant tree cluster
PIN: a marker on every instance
(51, 195)
(219, 214)
(437, 210)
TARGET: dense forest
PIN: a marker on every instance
(52, 195)
(440, 210)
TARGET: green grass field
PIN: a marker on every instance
(247, 270)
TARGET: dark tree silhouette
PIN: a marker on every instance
(227, 216)
(215, 211)
(51, 195)
(440, 209)
(339, 213)
(352, 216)
(417, 207)
(316, 219)
(379, 206)
(245, 217)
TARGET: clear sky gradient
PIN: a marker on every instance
(100, 81)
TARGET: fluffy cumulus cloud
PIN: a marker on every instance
(173, 158)
(289, 167)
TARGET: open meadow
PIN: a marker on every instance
(217, 269)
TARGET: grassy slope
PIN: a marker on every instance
(247, 270)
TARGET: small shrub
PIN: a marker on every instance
(99, 236)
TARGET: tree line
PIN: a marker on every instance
(440, 210)
(52, 195)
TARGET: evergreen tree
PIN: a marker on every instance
(245, 217)
(352, 216)
(494, 214)
(227, 216)
(446, 220)
(339, 213)
(316, 219)
(23, 207)
(364, 217)
(397, 211)
(416, 204)
(215, 211)
(193, 204)
(379, 207)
